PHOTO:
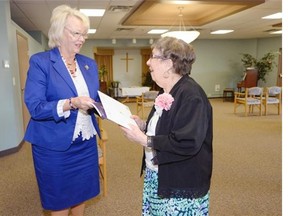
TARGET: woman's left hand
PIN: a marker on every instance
(135, 134)
(82, 102)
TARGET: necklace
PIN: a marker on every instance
(71, 67)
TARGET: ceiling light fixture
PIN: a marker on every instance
(222, 31)
(91, 31)
(187, 36)
(157, 31)
(93, 12)
(276, 32)
(274, 16)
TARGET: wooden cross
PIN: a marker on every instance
(126, 59)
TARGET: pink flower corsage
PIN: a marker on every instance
(164, 102)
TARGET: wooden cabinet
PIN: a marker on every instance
(103, 87)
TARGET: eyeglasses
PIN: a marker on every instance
(77, 35)
(157, 57)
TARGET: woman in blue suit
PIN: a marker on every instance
(61, 85)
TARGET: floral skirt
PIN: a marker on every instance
(153, 205)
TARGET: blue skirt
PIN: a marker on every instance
(67, 178)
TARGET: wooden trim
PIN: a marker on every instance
(146, 51)
(279, 73)
(103, 51)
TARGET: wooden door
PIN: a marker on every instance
(104, 56)
(23, 60)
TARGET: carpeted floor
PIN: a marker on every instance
(246, 175)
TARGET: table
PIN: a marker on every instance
(134, 91)
(228, 94)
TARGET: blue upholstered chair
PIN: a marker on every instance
(250, 99)
(272, 96)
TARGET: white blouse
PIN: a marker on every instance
(84, 122)
(151, 132)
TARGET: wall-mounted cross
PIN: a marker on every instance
(126, 59)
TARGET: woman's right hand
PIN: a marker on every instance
(135, 134)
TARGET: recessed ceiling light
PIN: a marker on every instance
(274, 16)
(179, 2)
(276, 32)
(222, 31)
(93, 12)
(157, 31)
(91, 31)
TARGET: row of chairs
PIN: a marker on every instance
(252, 97)
(256, 97)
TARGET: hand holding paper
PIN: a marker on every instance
(100, 109)
(114, 110)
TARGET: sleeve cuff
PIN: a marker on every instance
(60, 111)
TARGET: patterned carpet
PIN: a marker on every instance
(246, 175)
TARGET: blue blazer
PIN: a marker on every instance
(48, 82)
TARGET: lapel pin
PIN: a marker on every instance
(86, 67)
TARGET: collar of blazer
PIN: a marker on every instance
(86, 66)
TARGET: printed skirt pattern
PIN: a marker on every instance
(153, 205)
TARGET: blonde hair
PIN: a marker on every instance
(58, 22)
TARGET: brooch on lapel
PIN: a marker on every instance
(86, 67)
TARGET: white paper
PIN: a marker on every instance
(116, 111)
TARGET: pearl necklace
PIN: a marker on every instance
(71, 67)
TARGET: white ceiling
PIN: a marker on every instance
(34, 15)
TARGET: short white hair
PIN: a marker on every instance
(58, 22)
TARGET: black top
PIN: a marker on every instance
(183, 142)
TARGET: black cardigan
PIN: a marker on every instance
(183, 143)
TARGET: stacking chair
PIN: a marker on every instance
(102, 155)
(145, 100)
(272, 96)
(252, 97)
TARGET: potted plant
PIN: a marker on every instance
(264, 65)
(248, 60)
(115, 88)
(115, 84)
(102, 72)
(148, 81)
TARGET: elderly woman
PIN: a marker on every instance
(61, 85)
(177, 137)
